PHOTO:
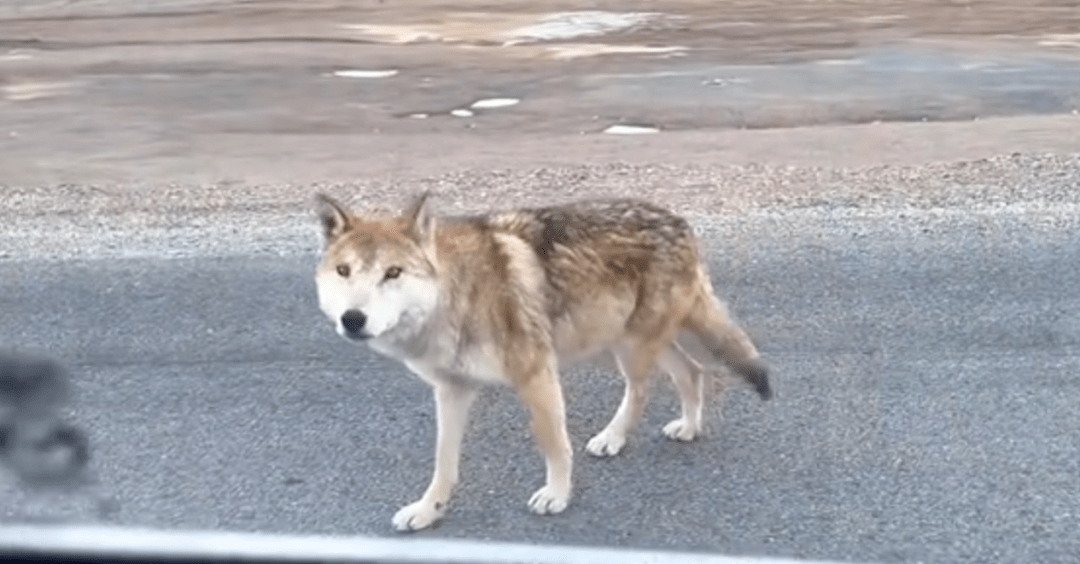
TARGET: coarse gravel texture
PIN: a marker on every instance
(70, 221)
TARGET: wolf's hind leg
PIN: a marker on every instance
(636, 362)
(687, 375)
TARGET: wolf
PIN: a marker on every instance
(510, 298)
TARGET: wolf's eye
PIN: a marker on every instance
(393, 272)
(343, 270)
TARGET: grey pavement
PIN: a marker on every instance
(925, 368)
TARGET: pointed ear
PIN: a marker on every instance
(334, 218)
(421, 222)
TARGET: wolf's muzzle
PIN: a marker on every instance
(353, 321)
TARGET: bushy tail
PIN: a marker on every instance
(709, 320)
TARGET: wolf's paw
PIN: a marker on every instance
(681, 430)
(605, 443)
(548, 501)
(419, 515)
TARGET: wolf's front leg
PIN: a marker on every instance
(542, 394)
(452, 404)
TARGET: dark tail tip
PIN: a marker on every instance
(757, 374)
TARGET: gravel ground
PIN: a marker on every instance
(217, 220)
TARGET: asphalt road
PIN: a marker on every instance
(925, 368)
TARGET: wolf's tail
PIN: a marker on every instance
(710, 321)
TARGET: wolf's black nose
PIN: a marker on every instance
(353, 320)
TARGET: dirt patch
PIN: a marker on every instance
(252, 92)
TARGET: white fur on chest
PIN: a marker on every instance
(442, 362)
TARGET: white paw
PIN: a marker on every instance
(548, 501)
(605, 443)
(680, 430)
(419, 515)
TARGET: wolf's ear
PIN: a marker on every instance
(334, 218)
(421, 226)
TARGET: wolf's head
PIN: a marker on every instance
(377, 276)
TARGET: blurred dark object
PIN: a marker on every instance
(35, 441)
